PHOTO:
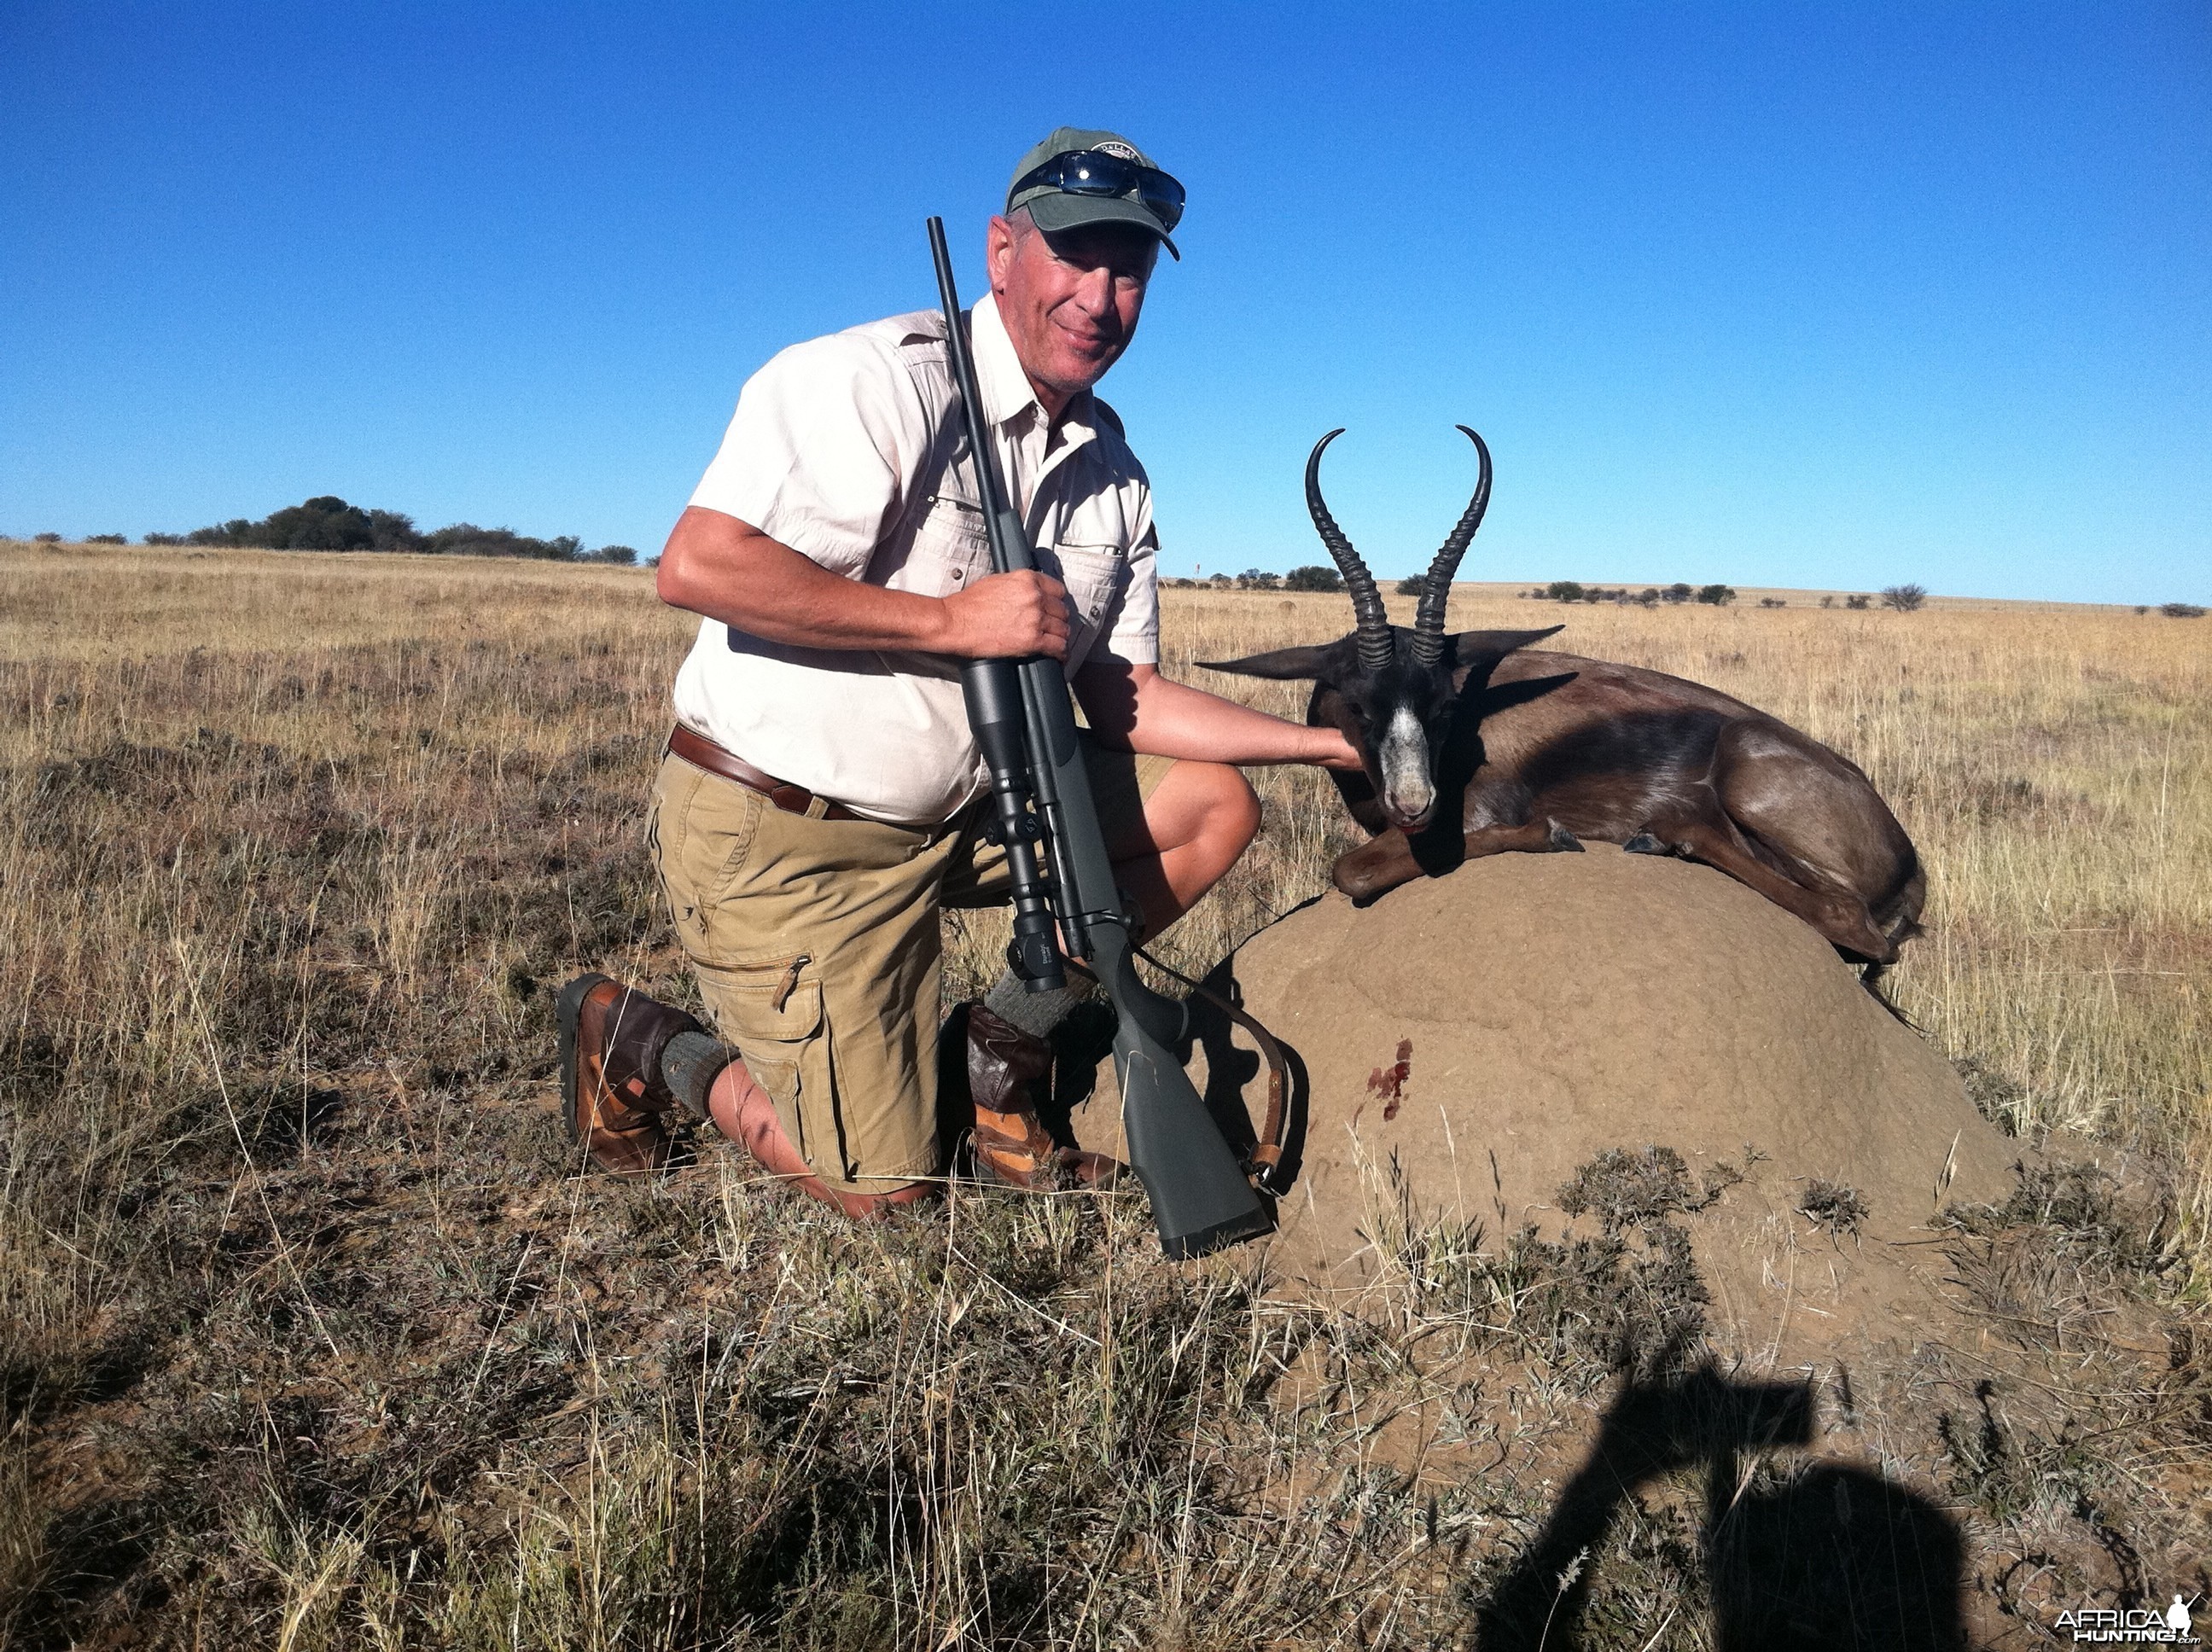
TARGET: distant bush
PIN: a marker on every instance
(323, 523)
(106, 539)
(1827, 602)
(467, 539)
(1219, 580)
(1773, 601)
(1720, 596)
(45, 538)
(1313, 577)
(1564, 591)
(1258, 578)
(1676, 593)
(329, 523)
(1414, 584)
(1903, 598)
(1649, 596)
(2180, 611)
(1856, 602)
(393, 531)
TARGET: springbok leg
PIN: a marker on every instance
(1842, 918)
(1818, 812)
(1380, 865)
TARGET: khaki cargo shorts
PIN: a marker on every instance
(816, 946)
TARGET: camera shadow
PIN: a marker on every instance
(1832, 1556)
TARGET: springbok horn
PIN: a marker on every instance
(1375, 647)
(1427, 644)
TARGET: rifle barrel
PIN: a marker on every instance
(1201, 1199)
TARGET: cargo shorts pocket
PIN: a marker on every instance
(773, 1012)
(700, 829)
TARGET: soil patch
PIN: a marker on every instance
(1617, 1044)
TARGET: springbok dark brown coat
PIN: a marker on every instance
(1541, 748)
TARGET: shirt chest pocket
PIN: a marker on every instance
(950, 552)
(1092, 574)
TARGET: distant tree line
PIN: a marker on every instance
(1720, 596)
(1902, 598)
(1313, 577)
(328, 523)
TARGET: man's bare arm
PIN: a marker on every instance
(1134, 707)
(725, 569)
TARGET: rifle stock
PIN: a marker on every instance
(1201, 1198)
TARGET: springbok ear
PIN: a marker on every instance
(1471, 647)
(1283, 663)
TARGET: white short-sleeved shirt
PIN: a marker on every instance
(850, 450)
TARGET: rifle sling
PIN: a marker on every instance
(1265, 1158)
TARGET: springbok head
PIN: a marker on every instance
(1391, 689)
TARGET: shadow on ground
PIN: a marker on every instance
(1828, 1556)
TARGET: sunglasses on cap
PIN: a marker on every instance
(1094, 172)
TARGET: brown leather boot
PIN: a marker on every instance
(1006, 1068)
(611, 1094)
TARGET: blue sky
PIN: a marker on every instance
(1833, 296)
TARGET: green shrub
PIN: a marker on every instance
(1720, 596)
(1313, 577)
(329, 523)
(393, 531)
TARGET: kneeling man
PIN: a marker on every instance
(821, 799)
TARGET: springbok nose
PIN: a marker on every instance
(1409, 795)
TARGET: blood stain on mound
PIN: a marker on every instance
(1389, 1083)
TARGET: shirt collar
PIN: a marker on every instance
(1007, 394)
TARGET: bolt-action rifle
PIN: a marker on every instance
(1040, 792)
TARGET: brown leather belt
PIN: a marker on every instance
(701, 752)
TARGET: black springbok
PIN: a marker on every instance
(1537, 749)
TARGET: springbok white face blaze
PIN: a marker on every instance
(1409, 792)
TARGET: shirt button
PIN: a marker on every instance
(959, 573)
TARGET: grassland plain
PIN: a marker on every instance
(312, 1336)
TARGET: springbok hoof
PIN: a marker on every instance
(1562, 839)
(1644, 843)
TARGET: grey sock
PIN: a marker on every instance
(689, 1066)
(1036, 1013)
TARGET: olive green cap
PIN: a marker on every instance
(1053, 211)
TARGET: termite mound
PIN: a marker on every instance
(1570, 1010)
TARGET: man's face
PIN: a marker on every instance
(1070, 301)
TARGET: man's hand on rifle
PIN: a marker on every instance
(1007, 616)
(729, 570)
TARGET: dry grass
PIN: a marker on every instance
(309, 1336)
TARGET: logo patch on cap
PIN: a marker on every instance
(1119, 150)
